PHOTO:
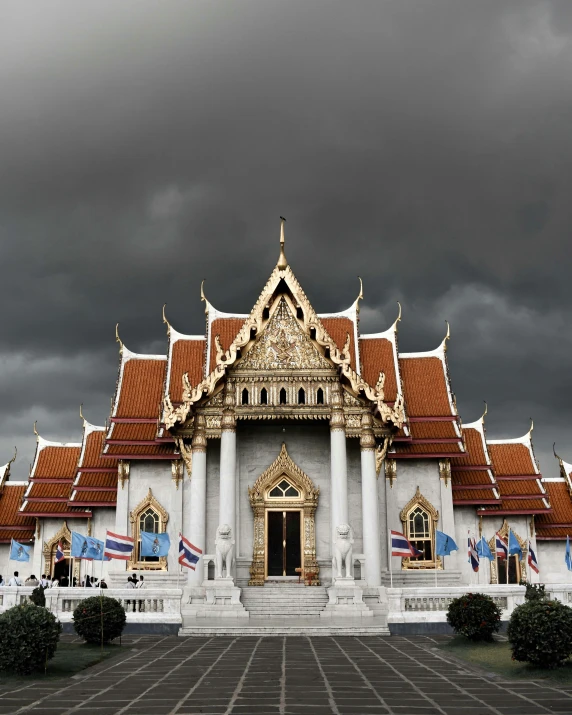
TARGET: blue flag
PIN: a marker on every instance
(568, 557)
(444, 544)
(483, 550)
(19, 552)
(513, 545)
(79, 546)
(154, 544)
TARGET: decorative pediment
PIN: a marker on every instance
(419, 500)
(280, 467)
(283, 345)
(149, 501)
(63, 535)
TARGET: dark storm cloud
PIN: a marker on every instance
(422, 145)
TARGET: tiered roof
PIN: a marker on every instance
(557, 524)
(95, 483)
(472, 473)
(13, 524)
(137, 404)
(53, 473)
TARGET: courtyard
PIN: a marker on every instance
(283, 676)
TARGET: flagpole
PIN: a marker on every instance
(389, 558)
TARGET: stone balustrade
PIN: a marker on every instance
(146, 605)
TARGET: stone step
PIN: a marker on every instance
(284, 600)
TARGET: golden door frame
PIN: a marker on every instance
(520, 563)
(49, 551)
(283, 468)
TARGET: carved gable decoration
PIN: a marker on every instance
(283, 466)
(283, 345)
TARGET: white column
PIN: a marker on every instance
(338, 464)
(37, 556)
(370, 511)
(121, 514)
(227, 503)
(447, 514)
(196, 525)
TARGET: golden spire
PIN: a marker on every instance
(165, 320)
(282, 262)
(118, 339)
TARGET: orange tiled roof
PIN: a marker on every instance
(561, 503)
(126, 451)
(425, 386)
(463, 476)
(227, 329)
(514, 458)
(186, 356)
(338, 329)
(140, 388)
(377, 355)
(10, 514)
(92, 452)
(90, 470)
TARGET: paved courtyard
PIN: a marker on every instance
(284, 675)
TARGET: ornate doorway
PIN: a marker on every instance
(284, 500)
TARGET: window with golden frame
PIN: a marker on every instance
(419, 518)
(148, 516)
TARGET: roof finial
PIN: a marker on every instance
(485, 412)
(36, 431)
(531, 426)
(203, 297)
(282, 262)
(360, 296)
(446, 336)
(14, 457)
(81, 412)
(165, 320)
(118, 339)
(554, 451)
(398, 319)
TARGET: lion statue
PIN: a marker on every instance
(343, 551)
(224, 544)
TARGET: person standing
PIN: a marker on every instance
(1, 581)
(15, 580)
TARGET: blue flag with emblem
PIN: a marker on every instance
(513, 545)
(79, 546)
(483, 550)
(568, 556)
(154, 544)
(19, 552)
(444, 544)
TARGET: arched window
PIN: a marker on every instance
(320, 396)
(284, 490)
(263, 396)
(147, 516)
(283, 396)
(245, 396)
(301, 396)
(419, 519)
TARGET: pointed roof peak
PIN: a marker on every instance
(282, 262)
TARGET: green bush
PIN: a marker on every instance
(540, 632)
(94, 612)
(475, 616)
(38, 597)
(535, 592)
(29, 637)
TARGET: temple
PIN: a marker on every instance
(293, 437)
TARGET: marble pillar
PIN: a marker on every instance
(447, 515)
(338, 464)
(227, 497)
(369, 499)
(122, 526)
(197, 521)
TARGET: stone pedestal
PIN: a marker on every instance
(345, 599)
(218, 598)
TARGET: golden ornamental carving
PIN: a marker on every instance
(391, 471)
(445, 470)
(337, 419)
(199, 443)
(148, 502)
(49, 550)
(186, 453)
(177, 471)
(503, 531)
(381, 453)
(367, 439)
(253, 325)
(418, 500)
(283, 467)
(122, 472)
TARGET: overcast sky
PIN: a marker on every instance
(425, 146)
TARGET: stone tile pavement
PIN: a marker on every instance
(284, 675)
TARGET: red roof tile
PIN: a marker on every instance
(10, 514)
(424, 386)
(186, 356)
(141, 388)
(377, 355)
(338, 329)
(227, 329)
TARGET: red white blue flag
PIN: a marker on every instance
(60, 552)
(532, 562)
(501, 547)
(188, 554)
(401, 546)
(117, 546)
(473, 555)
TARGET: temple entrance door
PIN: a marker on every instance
(513, 570)
(61, 568)
(283, 533)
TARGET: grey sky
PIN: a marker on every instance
(425, 146)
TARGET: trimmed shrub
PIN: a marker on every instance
(540, 633)
(93, 613)
(38, 597)
(475, 616)
(534, 592)
(29, 637)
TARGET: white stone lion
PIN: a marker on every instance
(343, 551)
(224, 544)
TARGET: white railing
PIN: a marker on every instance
(146, 605)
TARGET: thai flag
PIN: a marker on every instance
(532, 562)
(188, 554)
(501, 547)
(473, 555)
(400, 546)
(60, 552)
(117, 546)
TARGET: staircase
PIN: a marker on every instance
(282, 600)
